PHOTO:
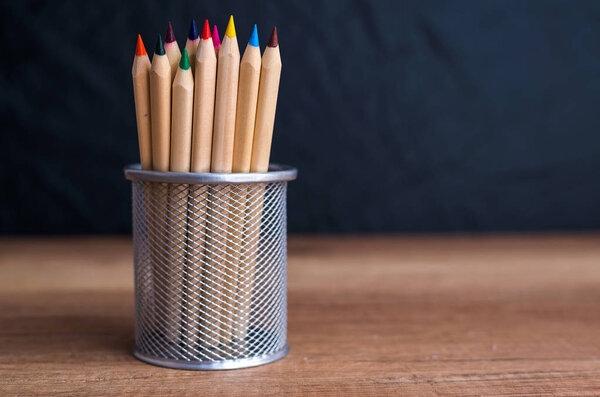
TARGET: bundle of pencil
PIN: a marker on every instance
(203, 110)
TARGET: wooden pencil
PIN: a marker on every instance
(141, 92)
(160, 101)
(181, 146)
(242, 153)
(261, 147)
(222, 161)
(270, 73)
(181, 122)
(191, 44)
(172, 49)
(204, 102)
(246, 105)
(205, 79)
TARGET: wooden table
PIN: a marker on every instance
(464, 315)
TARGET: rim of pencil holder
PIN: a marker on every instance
(276, 173)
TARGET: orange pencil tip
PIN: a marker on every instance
(139, 48)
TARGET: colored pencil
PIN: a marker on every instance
(242, 153)
(246, 105)
(216, 40)
(222, 161)
(263, 132)
(160, 101)
(181, 122)
(191, 44)
(181, 146)
(172, 50)
(141, 92)
(270, 73)
(204, 100)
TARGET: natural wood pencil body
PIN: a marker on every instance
(265, 110)
(204, 101)
(246, 109)
(181, 124)
(181, 147)
(160, 100)
(242, 154)
(141, 92)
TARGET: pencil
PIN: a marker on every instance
(181, 146)
(191, 44)
(216, 40)
(172, 50)
(242, 153)
(141, 92)
(181, 124)
(263, 131)
(270, 73)
(246, 105)
(160, 101)
(222, 161)
(204, 101)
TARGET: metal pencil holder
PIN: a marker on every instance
(210, 267)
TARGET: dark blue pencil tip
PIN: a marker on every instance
(254, 37)
(193, 34)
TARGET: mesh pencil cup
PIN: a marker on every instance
(210, 267)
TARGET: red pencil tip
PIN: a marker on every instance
(170, 37)
(273, 41)
(206, 31)
(139, 48)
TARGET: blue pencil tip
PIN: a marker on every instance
(254, 37)
(193, 34)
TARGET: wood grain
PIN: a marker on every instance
(465, 315)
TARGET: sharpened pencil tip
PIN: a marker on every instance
(254, 37)
(170, 36)
(193, 33)
(230, 31)
(215, 38)
(160, 46)
(274, 41)
(206, 30)
(184, 63)
(139, 48)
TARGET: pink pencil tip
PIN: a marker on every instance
(215, 38)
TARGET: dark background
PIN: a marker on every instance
(400, 116)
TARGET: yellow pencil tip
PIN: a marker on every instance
(230, 32)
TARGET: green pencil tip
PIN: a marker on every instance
(184, 63)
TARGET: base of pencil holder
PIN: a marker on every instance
(210, 261)
(213, 365)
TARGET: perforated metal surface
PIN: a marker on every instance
(210, 273)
